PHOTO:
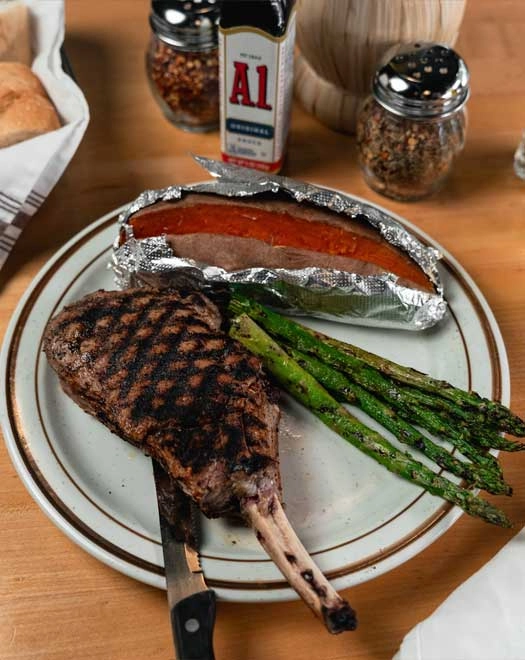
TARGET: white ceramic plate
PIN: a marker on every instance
(356, 519)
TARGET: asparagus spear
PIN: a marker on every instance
(366, 376)
(480, 435)
(421, 398)
(492, 412)
(308, 392)
(338, 384)
(473, 429)
(437, 425)
(486, 437)
(477, 435)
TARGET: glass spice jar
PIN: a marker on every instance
(412, 126)
(182, 62)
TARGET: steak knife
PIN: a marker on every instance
(191, 603)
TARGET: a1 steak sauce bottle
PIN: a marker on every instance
(256, 42)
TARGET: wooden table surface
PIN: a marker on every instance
(58, 602)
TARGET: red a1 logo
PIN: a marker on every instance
(241, 86)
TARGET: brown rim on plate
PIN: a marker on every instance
(127, 557)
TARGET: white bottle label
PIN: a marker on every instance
(256, 86)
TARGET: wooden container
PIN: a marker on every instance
(341, 42)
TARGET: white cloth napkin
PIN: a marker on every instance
(483, 619)
(30, 169)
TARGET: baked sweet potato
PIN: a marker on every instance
(238, 233)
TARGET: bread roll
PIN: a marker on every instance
(18, 78)
(25, 109)
(15, 36)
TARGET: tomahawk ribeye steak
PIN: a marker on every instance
(155, 368)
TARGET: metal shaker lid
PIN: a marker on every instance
(186, 24)
(421, 80)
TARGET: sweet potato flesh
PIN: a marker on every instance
(279, 229)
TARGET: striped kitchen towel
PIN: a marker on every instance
(30, 169)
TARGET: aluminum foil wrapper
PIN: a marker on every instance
(330, 294)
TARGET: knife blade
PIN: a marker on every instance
(191, 602)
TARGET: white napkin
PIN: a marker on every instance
(483, 619)
(30, 169)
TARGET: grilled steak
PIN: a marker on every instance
(155, 368)
(158, 371)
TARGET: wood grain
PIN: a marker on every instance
(56, 601)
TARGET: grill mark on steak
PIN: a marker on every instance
(143, 346)
(172, 399)
(87, 319)
(146, 340)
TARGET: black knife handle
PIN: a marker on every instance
(192, 621)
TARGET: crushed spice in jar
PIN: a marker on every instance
(406, 158)
(182, 62)
(187, 84)
(412, 126)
